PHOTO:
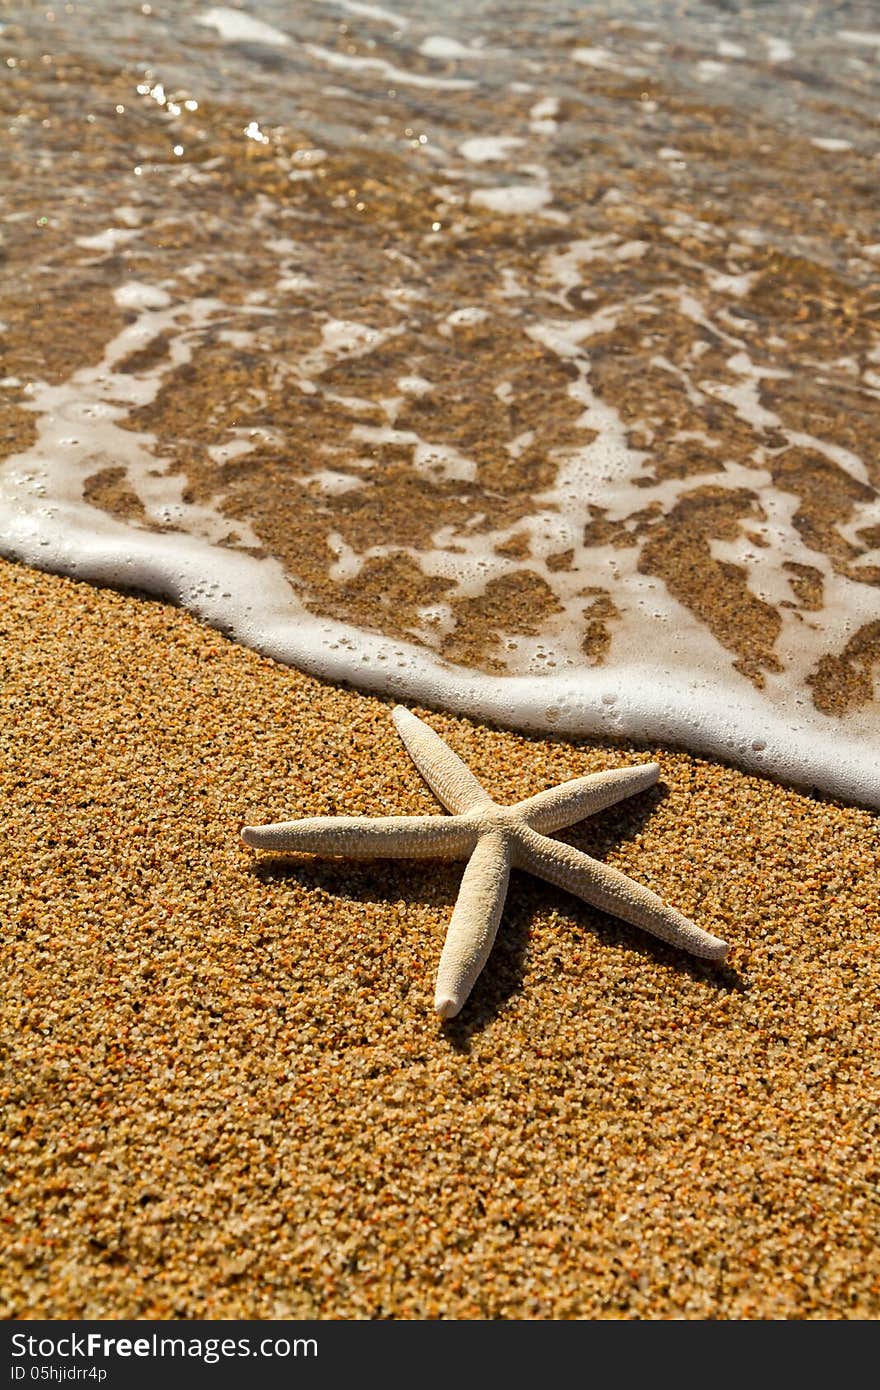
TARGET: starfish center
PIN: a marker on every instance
(490, 816)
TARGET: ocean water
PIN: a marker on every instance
(522, 359)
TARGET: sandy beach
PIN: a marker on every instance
(226, 1094)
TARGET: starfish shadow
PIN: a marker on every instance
(391, 881)
(503, 974)
(367, 880)
(597, 838)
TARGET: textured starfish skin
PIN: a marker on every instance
(493, 839)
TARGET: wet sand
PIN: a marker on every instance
(226, 1094)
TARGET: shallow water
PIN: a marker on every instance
(521, 360)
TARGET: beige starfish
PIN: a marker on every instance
(494, 839)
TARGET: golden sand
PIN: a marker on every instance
(226, 1093)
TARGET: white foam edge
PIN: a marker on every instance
(251, 601)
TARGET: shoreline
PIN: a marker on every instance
(628, 705)
(228, 1095)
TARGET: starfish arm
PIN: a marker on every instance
(445, 773)
(367, 837)
(609, 889)
(474, 922)
(583, 796)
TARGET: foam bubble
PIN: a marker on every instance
(483, 148)
(388, 71)
(438, 46)
(234, 26)
(109, 239)
(137, 296)
(377, 12)
(870, 38)
(513, 199)
(778, 50)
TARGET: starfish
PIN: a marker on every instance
(493, 839)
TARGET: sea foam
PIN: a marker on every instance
(663, 681)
